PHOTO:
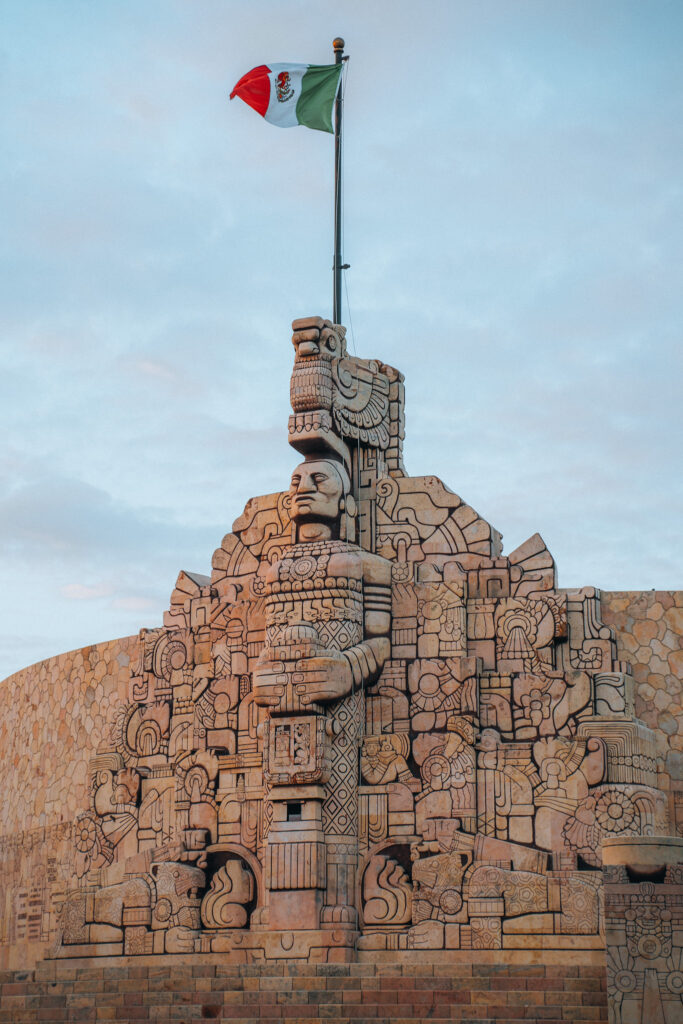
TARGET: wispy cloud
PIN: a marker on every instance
(513, 224)
(85, 592)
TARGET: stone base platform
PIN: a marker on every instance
(204, 988)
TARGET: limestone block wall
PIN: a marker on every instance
(53, 716)
(560, 991)
(649, 630)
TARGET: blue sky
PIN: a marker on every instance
(513, 225)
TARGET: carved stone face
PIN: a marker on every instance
(319, 340)
(316, 490)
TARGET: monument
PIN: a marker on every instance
(367, 737)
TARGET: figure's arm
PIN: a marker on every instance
(332, 675)
(367, 658)
(337, 673)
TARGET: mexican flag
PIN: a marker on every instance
(291, 94)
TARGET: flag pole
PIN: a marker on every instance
(338, 45)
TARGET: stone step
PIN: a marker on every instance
(385, 993)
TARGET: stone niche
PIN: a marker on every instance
(366, 735)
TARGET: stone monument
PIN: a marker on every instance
(369, 735)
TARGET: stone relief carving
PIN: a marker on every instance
(644, 917)
(230, 892)
(368, 728)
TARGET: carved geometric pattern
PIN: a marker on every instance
(340, 809)
(367, 729)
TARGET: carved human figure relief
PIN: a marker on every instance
(369, 729)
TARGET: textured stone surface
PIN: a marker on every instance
(53, 716)
(649, 630)
(367, 735)
(644, 940)
(391, 993)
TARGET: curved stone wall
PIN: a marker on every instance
(649, 630)
(53, 717)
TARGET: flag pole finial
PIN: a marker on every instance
(338, 45)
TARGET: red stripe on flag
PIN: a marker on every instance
(254, 89)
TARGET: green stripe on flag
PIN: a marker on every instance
(318, 92)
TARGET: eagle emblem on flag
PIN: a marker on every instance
(283, 87)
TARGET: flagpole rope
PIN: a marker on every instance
(344, 80)
(348, 308)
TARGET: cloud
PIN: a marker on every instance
(512, 211)
(134, 603)
(83, 592)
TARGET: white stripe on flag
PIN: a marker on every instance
(284, 94)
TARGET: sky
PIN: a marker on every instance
(512, 218)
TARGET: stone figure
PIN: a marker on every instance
(327, 623)
(367, 729)
(327, 599)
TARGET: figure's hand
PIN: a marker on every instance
(180, 940)
(325, 677)
(267, 682)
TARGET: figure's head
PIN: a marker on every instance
(126, 786)
(315, 338)
(317, 490)
(320, 491)
(371, 746)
